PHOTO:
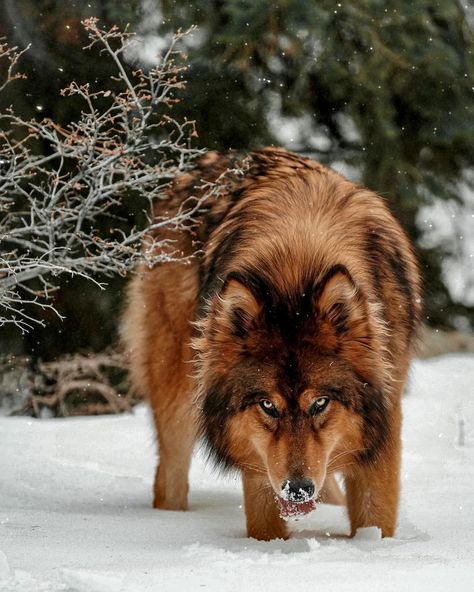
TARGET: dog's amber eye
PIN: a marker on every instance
(319, 405)
(269, 408)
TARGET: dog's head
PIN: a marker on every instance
(291, 387)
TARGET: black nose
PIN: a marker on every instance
(297, 490)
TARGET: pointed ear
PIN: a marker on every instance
(238, 308)
(351, 324)
(340, 304)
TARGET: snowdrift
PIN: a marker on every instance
(75, 512)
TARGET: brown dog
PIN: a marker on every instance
(299, 315)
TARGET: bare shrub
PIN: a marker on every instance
(76, 384)
(58, 208)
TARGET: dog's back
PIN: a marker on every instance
(161, 302)
(284, 212)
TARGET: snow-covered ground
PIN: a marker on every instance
(75, 511)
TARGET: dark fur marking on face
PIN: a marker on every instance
(341, 395)
(297, 448)
(252, 398)
(216, 411)
(290, 375)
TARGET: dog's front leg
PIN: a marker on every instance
(373, 492)
(261, 508)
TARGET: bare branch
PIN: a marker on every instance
(12, 55)
(58, 210)
(72, 385)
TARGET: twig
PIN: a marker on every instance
(58, 209)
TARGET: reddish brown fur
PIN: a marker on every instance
(305, 283)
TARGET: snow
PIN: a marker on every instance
(75, 511)
(446, 223)
(370, 533)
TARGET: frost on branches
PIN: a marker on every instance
(58, 207)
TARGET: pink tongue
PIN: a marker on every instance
(288, 509)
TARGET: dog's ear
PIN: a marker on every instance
(340, 304)
(349, 323)
(238, 308)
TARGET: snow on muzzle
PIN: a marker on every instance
(296, 498)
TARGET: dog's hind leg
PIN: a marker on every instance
(176, 430)
(157, 335)
(171, 388)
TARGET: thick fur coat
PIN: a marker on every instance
(284, 340)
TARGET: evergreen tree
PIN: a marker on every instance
(382, 86)
(388, 85)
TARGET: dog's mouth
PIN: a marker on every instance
(292, 509)
(297, 498)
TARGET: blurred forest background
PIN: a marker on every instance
(380, 90)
